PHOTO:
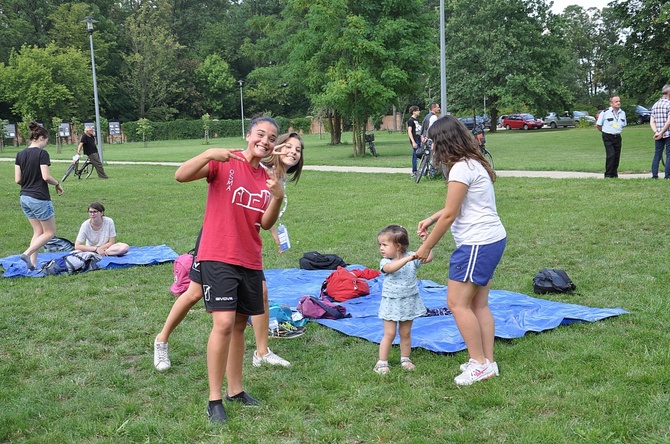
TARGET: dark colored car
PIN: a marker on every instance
(468, 121)
(522, 121)
(643, 114)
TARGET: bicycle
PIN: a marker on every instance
(370, 140)
(478, 132)
(426, 167)
(82, 173)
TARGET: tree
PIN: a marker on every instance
(153, 74)
(44, 82)
(356, 58)
(504, 51)
(636, 63)
(214, 82)
(579, 29)
(145, 130)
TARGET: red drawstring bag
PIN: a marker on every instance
(343, 285)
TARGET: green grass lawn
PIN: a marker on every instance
(572, 149)
(76, 351)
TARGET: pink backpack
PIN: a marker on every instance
(182, 266)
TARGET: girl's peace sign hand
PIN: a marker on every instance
(224, 154)
(274, 185)
(279, 149)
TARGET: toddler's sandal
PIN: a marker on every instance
(381, 369)
(407, 365)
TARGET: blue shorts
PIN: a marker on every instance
(476, 263)
(37, 209)
(228, 287)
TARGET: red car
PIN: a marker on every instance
(522, 121)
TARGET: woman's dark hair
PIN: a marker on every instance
(97, 206)
(37, 131)
(396, 234)
(413, 108)
(259, 119)
(453, 142)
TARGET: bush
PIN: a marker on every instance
(182, 129)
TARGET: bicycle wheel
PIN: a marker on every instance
(488, 157)
(423, 168)
(69, 171)
(86, 170)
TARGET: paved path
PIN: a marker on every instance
(357, 169)
(501, 173)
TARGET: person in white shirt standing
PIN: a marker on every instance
(610, 123)
(470, 212)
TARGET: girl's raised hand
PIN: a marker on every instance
(224, 154)
(274, 185)
(279, 149)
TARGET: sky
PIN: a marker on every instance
(560, 5)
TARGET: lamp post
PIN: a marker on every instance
(242, 106)
(89, 27)
(443, 63)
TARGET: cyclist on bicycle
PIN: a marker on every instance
(88, 143)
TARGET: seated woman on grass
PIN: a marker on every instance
(98, 234)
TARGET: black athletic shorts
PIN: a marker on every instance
(228, 287)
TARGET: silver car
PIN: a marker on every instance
(554, 121)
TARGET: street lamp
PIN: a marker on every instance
(89, 27)
(242, 106)
(443, 63)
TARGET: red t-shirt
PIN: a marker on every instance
(236, 201)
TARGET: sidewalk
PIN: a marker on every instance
(408, 170)
(502, 173)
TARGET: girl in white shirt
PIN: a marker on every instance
(470, 211)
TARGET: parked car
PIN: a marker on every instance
(553, 120)
(643, 114)
(522, 121)
(468, 121)
(584, 115)
(501, 119)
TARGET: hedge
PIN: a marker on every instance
(193, 129)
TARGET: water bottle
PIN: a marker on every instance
(274, 325)
(284, 242)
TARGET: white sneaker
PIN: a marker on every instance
(161, 359)
(475, 372)
(270, 358)
(465, 366)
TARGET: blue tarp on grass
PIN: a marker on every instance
(151, 255)
(514, 313)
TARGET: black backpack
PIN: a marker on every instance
(549, 280)
(317, 261)
(57, 244)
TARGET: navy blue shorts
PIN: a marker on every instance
(228, 287)
(476, 263)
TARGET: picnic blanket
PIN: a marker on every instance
(149, 255)
(514, 313)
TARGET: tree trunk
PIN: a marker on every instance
(335, 128)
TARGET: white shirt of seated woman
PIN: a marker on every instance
(98, 234)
